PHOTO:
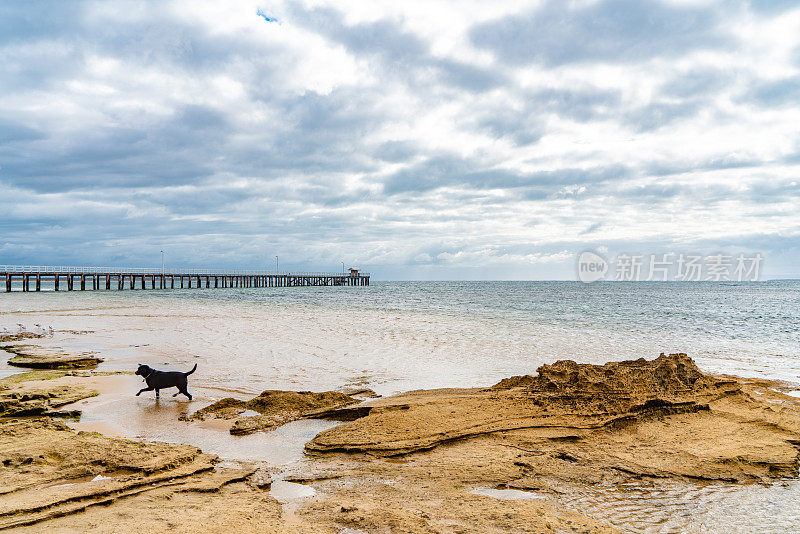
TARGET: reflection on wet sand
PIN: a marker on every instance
(123, 414)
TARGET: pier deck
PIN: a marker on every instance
(35, 278)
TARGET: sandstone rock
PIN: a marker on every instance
(261, 478)
(656, 418)
(275, 408)
(35, 357)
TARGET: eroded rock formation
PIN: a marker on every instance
(36, 357)
(662, 417)
(51, 472)
(274, 407)
(18, 399)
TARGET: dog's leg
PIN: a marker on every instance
(183, 390)
(157, 393)
(145, 389)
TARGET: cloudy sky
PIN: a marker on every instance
(422, 140)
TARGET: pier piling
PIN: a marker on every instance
(192, 279)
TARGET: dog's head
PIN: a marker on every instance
(143, 370)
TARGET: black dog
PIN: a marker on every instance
(157, 380)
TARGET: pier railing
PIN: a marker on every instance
(95, 278)
(42, 269)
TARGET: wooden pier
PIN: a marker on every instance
(108, 278)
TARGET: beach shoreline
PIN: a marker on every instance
(501, 477)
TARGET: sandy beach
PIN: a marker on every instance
(507, 457)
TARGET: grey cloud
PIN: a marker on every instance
(212, 199)
(466, 76)
(651, 192)
(592, 228)
(772, 7)
(754, 241)
(443, 171)
(697, 82)
(11, 132)
(526, 124)
(206, 120)
(396, 151)
(397, 52)
(163, 39)
(608, 30)
(431, 174)
(523, 129)
(659, 114)
(784, 92)
(577, 104)
(770, 191)
(108, 157)
(722, 162)
(315, 133)
(50, 18)
(759, 192)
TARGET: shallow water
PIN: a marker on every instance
(396, 336)
(120, 413)
(510, 494)
(659, 507)
(655, 507)
(284, 491)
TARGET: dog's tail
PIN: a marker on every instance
(192, 371)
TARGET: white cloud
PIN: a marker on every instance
(401, 135)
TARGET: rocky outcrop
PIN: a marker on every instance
(274, 408)
(662, 417)
(36, 357)
(42, 402)
(667, 375)
(58, 463)
(7, 338)
(16, 399)
(50, 471)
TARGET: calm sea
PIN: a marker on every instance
(395, 336)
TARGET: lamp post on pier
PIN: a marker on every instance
(276, 264)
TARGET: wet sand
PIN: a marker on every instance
(539, 453)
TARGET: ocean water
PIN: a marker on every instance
(396, 336)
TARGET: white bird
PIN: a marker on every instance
(21, 327)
